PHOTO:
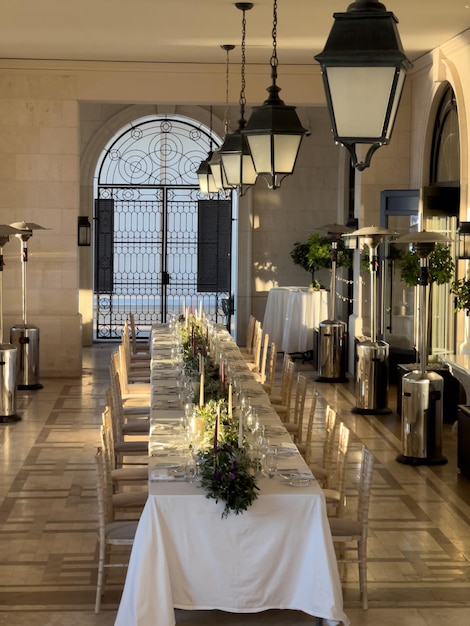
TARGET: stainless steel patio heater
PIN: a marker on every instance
(332, 333)
(8, 351)
(372, 354)
(422, 391)
(26, 336)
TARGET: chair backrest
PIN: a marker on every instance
(309, 432)
(133, 335)
(250, 333)
(264, 358)
(365, 484)
(328, 442)
(339, 473)
(299, 405)
(114, 400)
(125, 352)
(105, 509)
(272, 363)
(257, 341)
(287, 381)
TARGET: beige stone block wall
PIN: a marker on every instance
(39, 157)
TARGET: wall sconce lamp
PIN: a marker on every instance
(464, 240)
(274, 131)
(364, 68)
(84, 231)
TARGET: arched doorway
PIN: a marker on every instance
(156, 236)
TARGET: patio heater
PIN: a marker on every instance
(8, 351)
(422, 391)
(332, 333)
(372, 354)
(26, 336)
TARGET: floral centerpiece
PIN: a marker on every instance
(226, 471)
(227, 474)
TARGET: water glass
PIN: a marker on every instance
(190, 470)
(270, 462)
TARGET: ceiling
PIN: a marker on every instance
(192, 31)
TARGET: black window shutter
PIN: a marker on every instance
(104, 245)
(214, 245)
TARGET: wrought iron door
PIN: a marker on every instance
(146, 235)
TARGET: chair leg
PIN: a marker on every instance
(363, 573)
(99, 581)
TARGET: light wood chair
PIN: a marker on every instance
(130, 386)
(293, 413)
(128, 491)
(132, 394)
(120, 475)
(136, 347)
(138, 360)
(253, 360)
(302, 444)
(122, 448)
(282, 404)
(322, 470)
(279, 395)
(354, 531)
(334, 494)
(271, 368)
(250, 333)
(111, 533)
(137, 370)
(260, 374)
(135, 420)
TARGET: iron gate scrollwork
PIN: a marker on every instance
(146, 228)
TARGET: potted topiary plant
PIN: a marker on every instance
(316, 255)
(461, 290)
(441, 268)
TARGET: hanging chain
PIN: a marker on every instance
(226, 113)
(210, 125)
(242, 90)
(274, 61)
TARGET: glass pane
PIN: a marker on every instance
(399, 299)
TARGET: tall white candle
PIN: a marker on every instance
(240, 429)
(200, 309)
(201, 390)
(230, 400)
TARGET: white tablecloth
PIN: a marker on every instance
(277, 555)
(292, 314)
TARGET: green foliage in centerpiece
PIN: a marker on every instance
(227, 474)
(226, 471)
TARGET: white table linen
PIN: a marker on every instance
(276, 555)
(291, 316)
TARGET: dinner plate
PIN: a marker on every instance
(274, 432)
(283, 452)
(299, 482)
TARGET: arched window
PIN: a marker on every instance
(148, 214)
(445, 152)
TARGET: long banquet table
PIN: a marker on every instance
(291, 316)
(276, 555)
